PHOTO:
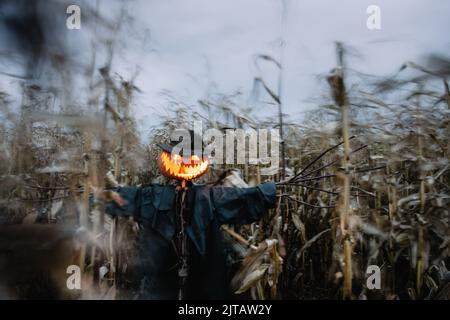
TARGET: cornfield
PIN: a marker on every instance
(366, 181)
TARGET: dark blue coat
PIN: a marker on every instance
(210, 207)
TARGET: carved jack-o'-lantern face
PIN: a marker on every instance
(176, 167)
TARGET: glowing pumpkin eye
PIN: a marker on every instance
(195, 159)
(176, 158)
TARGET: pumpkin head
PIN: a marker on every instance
(178, 167)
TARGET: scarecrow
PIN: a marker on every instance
(180, 245)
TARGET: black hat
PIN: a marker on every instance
(166, 147)
(169, 147)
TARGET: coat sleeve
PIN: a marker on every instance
(132, 197)
(243, 205)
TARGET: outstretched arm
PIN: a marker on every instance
(110, 195)
(243, 205)
(122, 201)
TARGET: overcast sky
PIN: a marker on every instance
(185, 45)
(199, 41)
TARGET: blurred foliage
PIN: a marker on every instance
(57, 153)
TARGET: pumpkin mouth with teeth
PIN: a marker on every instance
(176, 167)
